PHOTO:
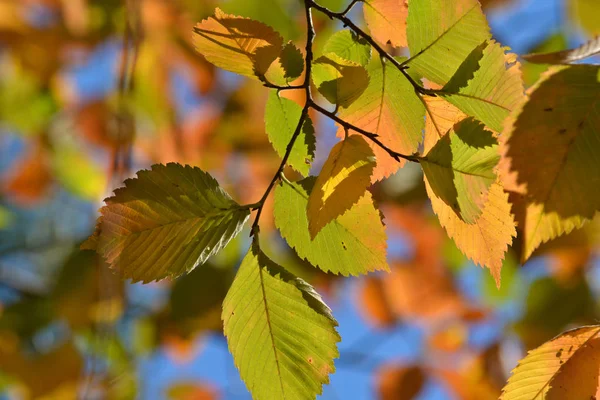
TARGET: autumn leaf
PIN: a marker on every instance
(352, 244)
(399, 382)
(281, 119)
(237, 44)
(165, 222)
(556, 129)
(390, 108)
(386, 20)
(460, 168)
(443, 30)
(489, 88)
(343, 180)
(280, 333)
(440, 118)
(287, 67)
(485, 241)
(564, 367)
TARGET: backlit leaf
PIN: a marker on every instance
(342, 182)
(287, 67)
(281, 119)
(348, 46)
(485, 241)
(237, 44)
(340, 81)
(565, 367)
(352, 244)
(440, 118)
(390, 108)
(551, 146)
(386, 20)
(490, 92)
(165, 222)
(280, 332)
(460, 168)
(582, 52)
(441, 34)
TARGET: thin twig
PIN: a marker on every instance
(310, 34)
(371, 136)
(348, 22)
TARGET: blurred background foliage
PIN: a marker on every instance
(91, 91)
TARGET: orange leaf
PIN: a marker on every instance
(387, 20)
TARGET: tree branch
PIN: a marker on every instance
(310, 35)
(348, 22)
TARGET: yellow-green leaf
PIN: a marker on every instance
(440, 118)
(280, 332)
(348, 46)
(342, 182)
(565, 367)
(352, 244)
(492, 86)
(237, 44)
(281, 120)
(287, 67)
(441, 34)
(340, 81)
(460, 168)
(165, 222)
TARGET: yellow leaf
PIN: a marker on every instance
(237, 44)
(485, 241)
(440, 118)
(341, 183)
(565, 367)
(387, 20)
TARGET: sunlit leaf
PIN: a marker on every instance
(165, 222)
(443, 30)
(281, 334)
(585, 13)
(570, 56)
(557, 129)
(352, 244)
(565, 367)
(440, 118)
(386, 20)
(485, 241)
(460, 168)
(390, 108)
(237, 44)
(287, 67)
(348, 46)
(281, 120)
(488, 89)
(338, 80)
(342, 182)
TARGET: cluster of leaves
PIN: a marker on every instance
(494, 159)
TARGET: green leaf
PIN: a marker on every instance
(552, 145)
(441, 34)
(165, 222)
(281, 119)
(460, 168)
(343, 180)
(352, 244)
(338, 80)
(280, 332)
(491, 91)
(390, 108)
(348, 46)
(288, 66)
